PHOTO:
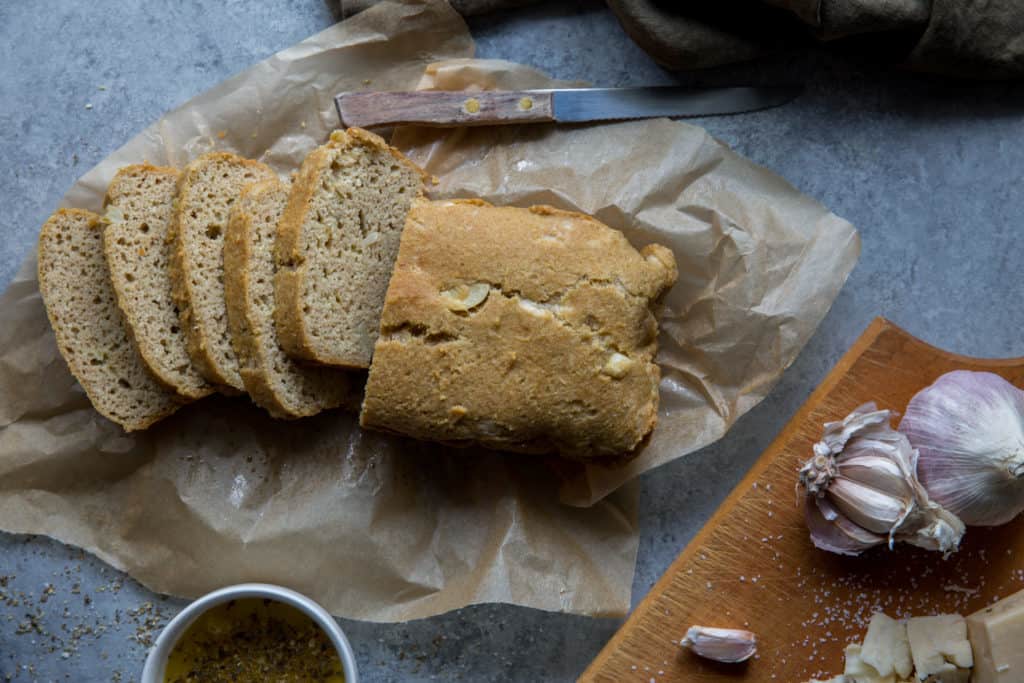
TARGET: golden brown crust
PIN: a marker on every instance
(199, 345)
(169, 171)
(519, 329)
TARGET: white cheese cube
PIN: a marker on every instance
(859, 671)
(997, 636)
(886, 647)
(939, 647)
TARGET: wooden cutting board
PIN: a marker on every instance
(753, 566)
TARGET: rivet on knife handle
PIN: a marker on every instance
(439, 108)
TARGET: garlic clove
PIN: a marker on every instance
(828, 510)
(969, 430)
(833, 532)
(850, 529)
(113, 214)
(870, 508)
(727, 645)
(880, 473)
(465, 297)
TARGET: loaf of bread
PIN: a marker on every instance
(518, 329)
(338, 240)
(206, 190)
(140, 203)
(283, 387)
(91, 331)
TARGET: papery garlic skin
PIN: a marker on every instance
(969, 430)
(862, 490)
(727, 645)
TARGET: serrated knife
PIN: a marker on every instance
(494, 107)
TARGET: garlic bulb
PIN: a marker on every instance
(969, 430)
(862, 490)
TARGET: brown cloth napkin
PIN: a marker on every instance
(346, 8)
(965, 38)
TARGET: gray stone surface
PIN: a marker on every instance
(930, 171)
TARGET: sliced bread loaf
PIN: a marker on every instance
(206, 190)
(92, 334)
(140, 203)
(338, 240)
(519, 329)
(274, 381)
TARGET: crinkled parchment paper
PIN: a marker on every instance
(759, 263)
(377, 527)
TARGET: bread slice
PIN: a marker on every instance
(140, 203)
(520, 329)
(338, 240)
(92, 334)
(206, 190)
(274, 381)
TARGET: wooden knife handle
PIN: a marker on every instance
(444, 108)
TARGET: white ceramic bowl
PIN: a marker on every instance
(156, 662)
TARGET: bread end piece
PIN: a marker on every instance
(91, 332)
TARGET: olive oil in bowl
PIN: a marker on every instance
(253, 639)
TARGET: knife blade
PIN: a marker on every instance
(493, 107)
